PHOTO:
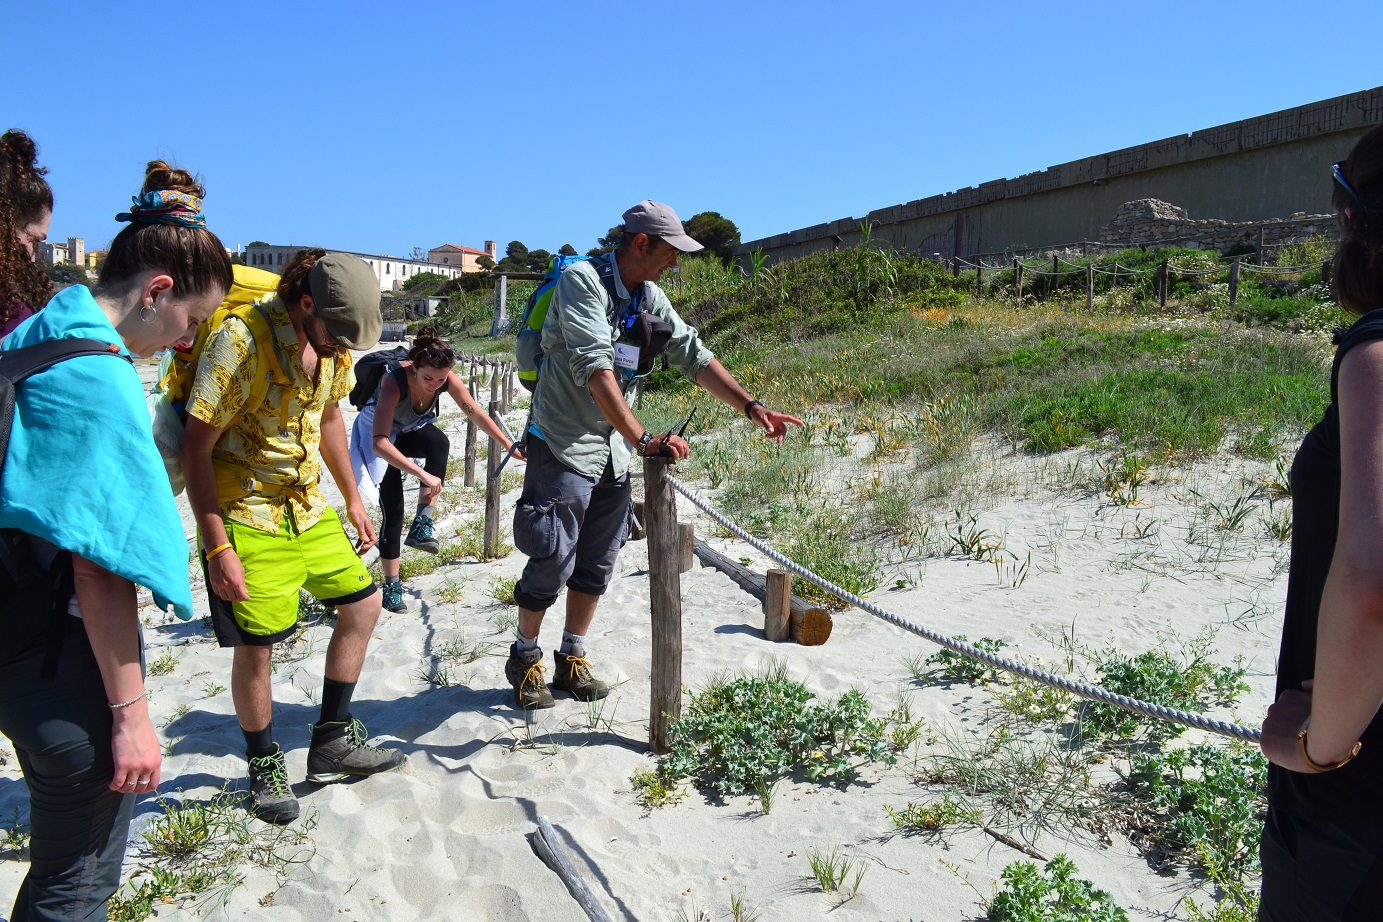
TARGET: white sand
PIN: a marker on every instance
(448, 836)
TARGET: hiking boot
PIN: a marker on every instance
(420, 535)
(338, 751)
(271, 799)
(393, 596)
(573, 675)
(525, 672)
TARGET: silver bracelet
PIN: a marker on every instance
(116, 707)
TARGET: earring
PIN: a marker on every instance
(152, 313)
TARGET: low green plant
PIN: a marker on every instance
(968, 539)
(1052, 894)
(212, 689)
(1209, 804)
(946, 813)
(740, 910)
(1123, 475)
(164, 664)
(502, 589)
(1190, 682)
(835, 872)
(14, 837)
(828, 544)
(1236, 904)
(957, 667)
(654, 790)
(742, 734)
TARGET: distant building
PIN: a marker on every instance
(73, 251)
(55, 253)
(94, 258)
(392, 271)
(468, 258)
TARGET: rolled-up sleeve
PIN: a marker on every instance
(685, 350)
(580, 305)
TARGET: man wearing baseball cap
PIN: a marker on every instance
(253, 474)
(573, 515)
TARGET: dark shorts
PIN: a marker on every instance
(1319, 872)
(570, 525)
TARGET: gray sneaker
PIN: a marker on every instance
(420, 535)
(271, 799)
(393, 596)
(338, 751)
(525, 672)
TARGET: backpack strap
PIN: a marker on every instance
(18, 364)
(605, 268)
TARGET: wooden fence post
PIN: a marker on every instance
(665, 602)
(1262, 250)
(955, 267)
(470, 436)
(1234, 281)
(686, 546)
(1017, 282)
(1162, 285)
(1056, 275)
(1325, 271)
(979, 279)
(492, 493)
(1090, 286)
(777, 604)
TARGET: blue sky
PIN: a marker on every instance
(380, 127)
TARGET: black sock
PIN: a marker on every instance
(260, 743)
(336, 701)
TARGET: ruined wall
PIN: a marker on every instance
(1256, 170)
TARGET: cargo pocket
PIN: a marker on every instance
(631, 530)
(535, 529)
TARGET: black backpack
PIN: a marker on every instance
(33, 596)
(371, 369)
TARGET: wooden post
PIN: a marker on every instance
(492, 493)
(1056, 275)
(1234, 281)
(1017, 282)
(979, 279)
(494, 385)
(1162, 285)
(1325, 271)
(808, 624)
(470, 437)
(686, 544)
(955, 267)
(1262, 252)
(1090, 286)
(665, 602)
(777, 604)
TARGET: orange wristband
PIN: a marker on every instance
(219, 549)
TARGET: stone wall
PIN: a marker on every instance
(1257, 170)
(1154, 223)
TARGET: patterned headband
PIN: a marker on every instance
(166, 206)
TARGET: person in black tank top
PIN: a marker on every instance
(406, 408)
(1322, 843)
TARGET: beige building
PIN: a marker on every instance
(467, 258)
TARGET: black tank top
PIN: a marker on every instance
(1352, 795)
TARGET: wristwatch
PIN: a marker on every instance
(644, 440)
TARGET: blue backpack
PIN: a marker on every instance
(528, 349)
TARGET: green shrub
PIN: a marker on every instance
(1053, 894)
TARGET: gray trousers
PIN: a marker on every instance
(571, 527)
(61, 731)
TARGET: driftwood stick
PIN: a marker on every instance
(1011, 842)
(554, 855)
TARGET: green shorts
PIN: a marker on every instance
(321, 560)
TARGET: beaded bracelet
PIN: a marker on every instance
(125, 704)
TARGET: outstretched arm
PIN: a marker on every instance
(723, 386)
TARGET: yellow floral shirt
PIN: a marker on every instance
(276, 468)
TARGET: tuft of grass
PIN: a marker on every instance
(164, 664)
(946, 813)
(835, 872)
(502, 589)
(654, 790)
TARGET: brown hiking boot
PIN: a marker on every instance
(525, 672)
(573, 675)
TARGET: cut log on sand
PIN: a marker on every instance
(808, 624)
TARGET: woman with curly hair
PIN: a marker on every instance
(398, 425)
(26, 207)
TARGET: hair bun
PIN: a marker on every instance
(160, 175)
(19, 152)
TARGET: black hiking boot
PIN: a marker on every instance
(525, 672)
(339, 751)
(573, 676)
(271, 799)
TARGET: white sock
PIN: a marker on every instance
(525, 644)
(573, 644)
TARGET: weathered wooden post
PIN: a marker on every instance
(955, 267)
(686, 546)
(1262, 250)
(1017, 282)
(1234, 281)
(1162, 285)
(492, 492)
(777, 604)
(979, 279)
(1090, 286)
(1056, 275)
(665, 602)
(469, 478)
(1325, 271)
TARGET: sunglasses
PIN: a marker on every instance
(440, 357)
(1340, 178)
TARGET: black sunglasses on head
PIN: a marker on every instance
(439, 356)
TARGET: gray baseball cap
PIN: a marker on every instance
(346, 292)
(655, 218)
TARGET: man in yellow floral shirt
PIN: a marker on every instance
(267, 531)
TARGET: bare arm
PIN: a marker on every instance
(337, 455)
(722, 385)
(383, 446)
(477, 414)
(1348, 681)
(225, 574)
(112, 626)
